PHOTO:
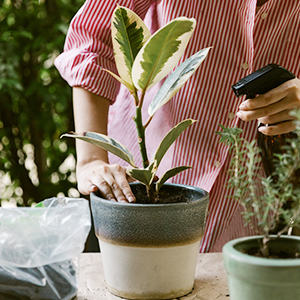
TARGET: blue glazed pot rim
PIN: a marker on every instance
(230, 252)
(204, 198)
(152, 225)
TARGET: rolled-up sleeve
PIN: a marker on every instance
(88, 47)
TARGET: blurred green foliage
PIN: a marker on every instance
(35, 102)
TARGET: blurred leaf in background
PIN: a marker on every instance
(35, 102)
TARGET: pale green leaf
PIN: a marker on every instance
(176, 80)
(129, 34)
(162, 52)
(106, 143)
(128, 86)
(169, 139)
(170, 173)
(144, 176)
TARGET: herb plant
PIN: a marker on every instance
(142, 61)
(265, 199)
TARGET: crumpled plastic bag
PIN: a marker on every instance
(39, 246)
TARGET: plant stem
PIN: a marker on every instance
(290, 223)
(148, 122)
(265, 247)
(142, 99)
(236, 169)
(136, 98)
(141, 136)
(151, 193)
(256, 205)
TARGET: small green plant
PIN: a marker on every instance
(265, 199)
(143, 60)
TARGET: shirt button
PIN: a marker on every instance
(245, 66)
(217, 163)
(264, 15)
(231, 116)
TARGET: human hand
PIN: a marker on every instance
(273, 107)
(110, 180)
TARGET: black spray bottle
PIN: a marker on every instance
(257, 83)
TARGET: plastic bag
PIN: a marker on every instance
(39, 246)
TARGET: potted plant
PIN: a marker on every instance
(266, 266)
(149, 248)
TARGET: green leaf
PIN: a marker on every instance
(170, 173)
(128, 86)
(144, 176)
(106, 143)
(169, 139)
(229, 135)
(162, 52)
(23, 33)
(129, 34)
(176, 80)
(41, 204)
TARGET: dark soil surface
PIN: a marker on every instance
(255, 251)
(162, 198)
(50, 282)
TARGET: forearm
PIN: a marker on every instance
(90, 114)
(93, 171)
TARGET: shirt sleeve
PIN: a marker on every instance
(88, 46)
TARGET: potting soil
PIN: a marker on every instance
(55, 281)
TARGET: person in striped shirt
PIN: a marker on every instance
(245, 36)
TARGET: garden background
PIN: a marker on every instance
(35, 102)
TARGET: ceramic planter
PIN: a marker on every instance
(256, 278)
(149, 251)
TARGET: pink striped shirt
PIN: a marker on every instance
(242, 42)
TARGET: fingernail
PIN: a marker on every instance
(242, 106)
(111, 198)
(131, 199)
(239, 114)
(94, 189)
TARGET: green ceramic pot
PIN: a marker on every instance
(149, 251)
(256, 278)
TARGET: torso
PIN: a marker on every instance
(242, 47)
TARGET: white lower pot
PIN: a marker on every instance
(149, 251)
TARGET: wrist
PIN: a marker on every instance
(91, 159)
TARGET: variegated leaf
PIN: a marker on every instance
(170, 173)
(162, 52)
(169, 139)
(128, 86)
(176, 80)
(129, 34)
(144, 176)
(106, 143)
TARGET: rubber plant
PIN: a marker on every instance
(143, 60)
(267, 201)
